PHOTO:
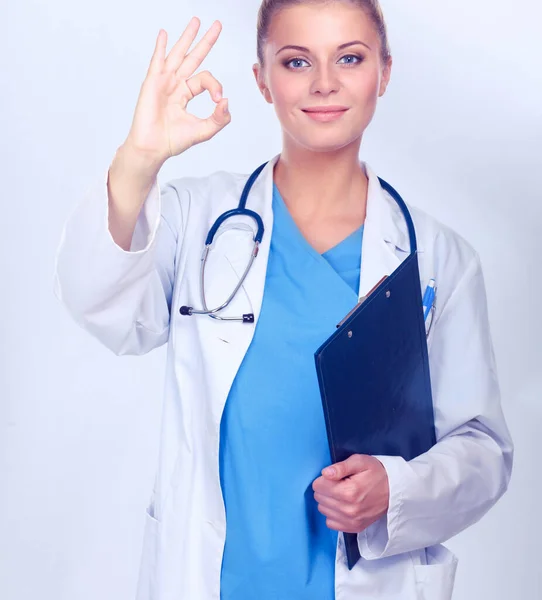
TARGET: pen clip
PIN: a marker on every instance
(431, 314)
(361, 301)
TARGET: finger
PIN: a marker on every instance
(339, 526)
(205, 81)
(328, 502)
(179, 50)
(217, 121)
(346, 492)
(196, 56)
(334, 515)
(324, 486)
(350, 492)
(159, 54)
(352, 465)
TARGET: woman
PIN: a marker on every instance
(243, 434)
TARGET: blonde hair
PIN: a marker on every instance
(371, 8)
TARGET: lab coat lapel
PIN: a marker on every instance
(260, 200)
(228, 342)
(383, 234)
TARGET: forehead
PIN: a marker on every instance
(321, 25)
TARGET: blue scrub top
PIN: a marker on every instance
(273, 441)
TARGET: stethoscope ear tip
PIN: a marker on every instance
(185, 310)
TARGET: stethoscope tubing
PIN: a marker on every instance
(241, 210)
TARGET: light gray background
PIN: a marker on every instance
(458, 133)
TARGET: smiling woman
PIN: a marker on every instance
(323, 65)
(244, 505)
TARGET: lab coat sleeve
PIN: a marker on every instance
(122, 298)
(440, 493)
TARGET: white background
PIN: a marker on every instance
(459, 133)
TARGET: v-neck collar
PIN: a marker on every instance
(280, 205)
(292, 234)
(334, 249)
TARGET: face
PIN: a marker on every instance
(337, 63)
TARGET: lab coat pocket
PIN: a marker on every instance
(147, 587)
(435, 580)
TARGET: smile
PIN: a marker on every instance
(325, 114)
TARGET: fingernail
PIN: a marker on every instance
(226, 111)
(330, 471)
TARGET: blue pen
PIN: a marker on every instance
(428, 298)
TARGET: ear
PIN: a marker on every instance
(260, 81)
(386, 74)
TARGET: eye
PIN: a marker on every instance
(297, 63)
(357, 59)
(293, 63)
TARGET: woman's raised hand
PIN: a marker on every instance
(162, 127)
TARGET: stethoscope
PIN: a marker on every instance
(241, 210)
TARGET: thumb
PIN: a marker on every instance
(218, 120)
(352, 465)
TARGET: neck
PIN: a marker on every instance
(319, 185)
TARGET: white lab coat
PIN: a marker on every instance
(130, 301)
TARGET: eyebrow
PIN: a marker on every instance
(303, 49)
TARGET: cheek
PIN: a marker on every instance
(366, 89)
(287, 92)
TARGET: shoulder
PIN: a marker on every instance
(437, 238)
(198, 197)
(438, 244)
(204, 186)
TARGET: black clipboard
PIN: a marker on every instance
(374, 378)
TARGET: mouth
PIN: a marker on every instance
(325, 113)
(324, 109)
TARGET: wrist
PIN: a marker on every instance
(138, 164)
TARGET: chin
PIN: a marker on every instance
(324, 137)
(327, 141)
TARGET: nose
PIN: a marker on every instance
(325, 81)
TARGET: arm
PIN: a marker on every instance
(121, 295)
(130, 179)
(442, 492)
(115, 266)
